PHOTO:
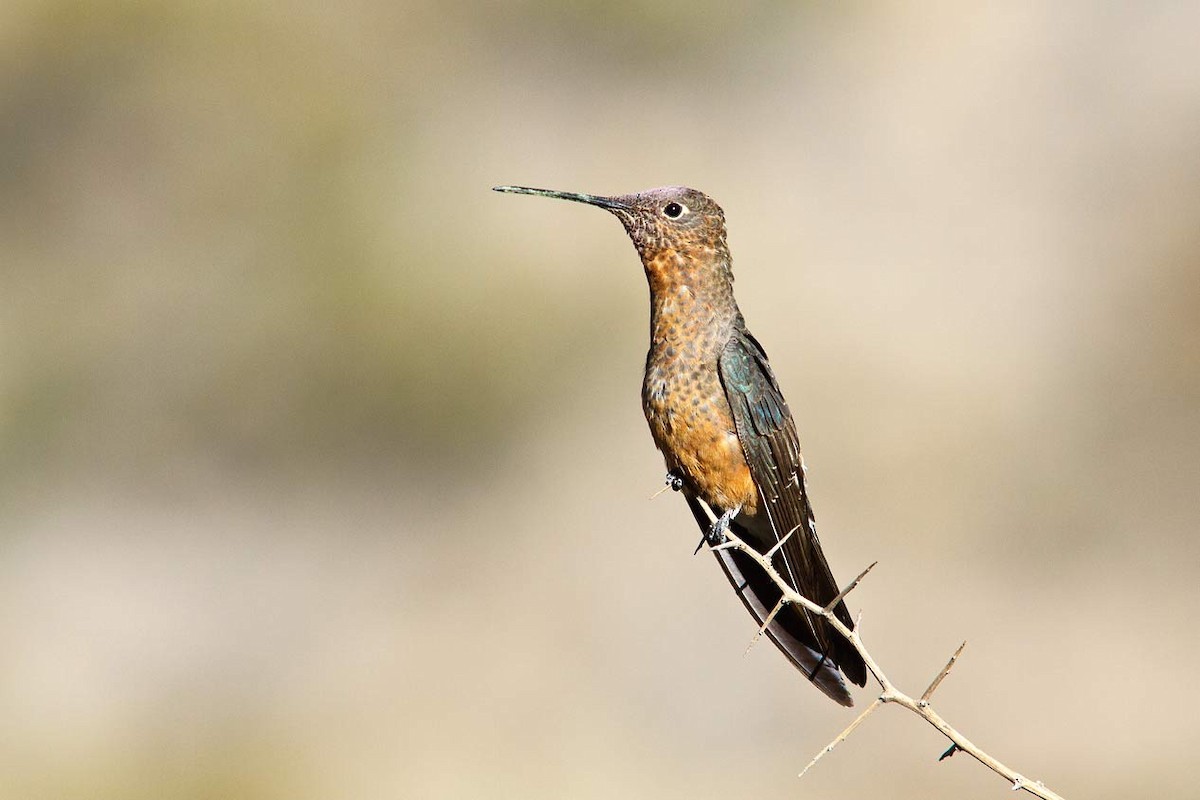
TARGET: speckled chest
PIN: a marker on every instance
(682, 395)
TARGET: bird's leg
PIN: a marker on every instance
(716, 533)
(714, 530)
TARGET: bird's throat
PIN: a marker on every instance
(692, 309)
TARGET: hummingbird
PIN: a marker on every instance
(718, 417)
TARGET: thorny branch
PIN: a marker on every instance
(889, 693)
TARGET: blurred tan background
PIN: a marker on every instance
(324, 472)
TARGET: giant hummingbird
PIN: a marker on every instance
(717, 415)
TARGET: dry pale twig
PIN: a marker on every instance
(889, 693)
(832, 604)
(766, 623)
(841, 737)
(941, 676)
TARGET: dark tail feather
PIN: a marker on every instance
(818, 586)
(791, 630)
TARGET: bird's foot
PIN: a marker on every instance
(674, 481)
(716, 533)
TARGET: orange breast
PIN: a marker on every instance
(712, 461)
(692, 425)
(692, 318)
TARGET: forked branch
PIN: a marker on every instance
(889, 693)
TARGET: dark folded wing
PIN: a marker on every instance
(772, 449)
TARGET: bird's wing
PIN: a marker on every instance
(772, 449)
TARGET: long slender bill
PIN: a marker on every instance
(590, 199)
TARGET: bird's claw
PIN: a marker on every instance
(714, 536)
(716, 533)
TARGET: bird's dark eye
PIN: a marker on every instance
(673, 210)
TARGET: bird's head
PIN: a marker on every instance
(670, 219)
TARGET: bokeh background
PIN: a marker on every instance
(324, 472)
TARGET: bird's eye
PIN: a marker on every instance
(673, 210)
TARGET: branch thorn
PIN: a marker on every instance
(840, 595)
(762, 628)
(841, 737)
(941, 676)
(770, 554)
